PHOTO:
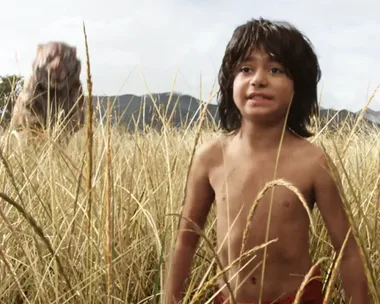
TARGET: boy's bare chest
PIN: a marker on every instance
(238, 186)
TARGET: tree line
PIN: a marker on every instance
(10, 88)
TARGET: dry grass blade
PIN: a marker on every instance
(336, 267)
(306, 280)
(260, 195)
(108, 207)
(89, 130)
(39, 232)
(11, 176)
(212, 281)
(211, 247)
(284, 128)
(89, 157)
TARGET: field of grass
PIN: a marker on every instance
(92, 221)
(54, 248)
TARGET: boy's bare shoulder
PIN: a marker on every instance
(314, 154)
(210, 152)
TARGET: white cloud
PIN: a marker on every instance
(161, 37)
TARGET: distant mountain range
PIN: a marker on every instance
(138, 111)
(183, 110)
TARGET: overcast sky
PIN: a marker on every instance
(164, 38)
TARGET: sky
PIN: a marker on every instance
(137, 47)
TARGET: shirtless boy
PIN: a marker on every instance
(267, 67)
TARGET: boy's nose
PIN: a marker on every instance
(259, 79)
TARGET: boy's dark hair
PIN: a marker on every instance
(290, 48)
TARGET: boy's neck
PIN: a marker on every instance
(262, 137)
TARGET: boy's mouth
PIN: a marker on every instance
(259, 96)
(258, 99)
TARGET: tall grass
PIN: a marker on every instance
(91, 220)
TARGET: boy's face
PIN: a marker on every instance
(261, 88)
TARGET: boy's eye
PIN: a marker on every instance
(275, 70)
(245, 69)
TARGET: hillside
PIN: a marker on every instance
(184, 110)
(128, 109)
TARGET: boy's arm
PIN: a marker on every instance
(199, 198)
(336, 221)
